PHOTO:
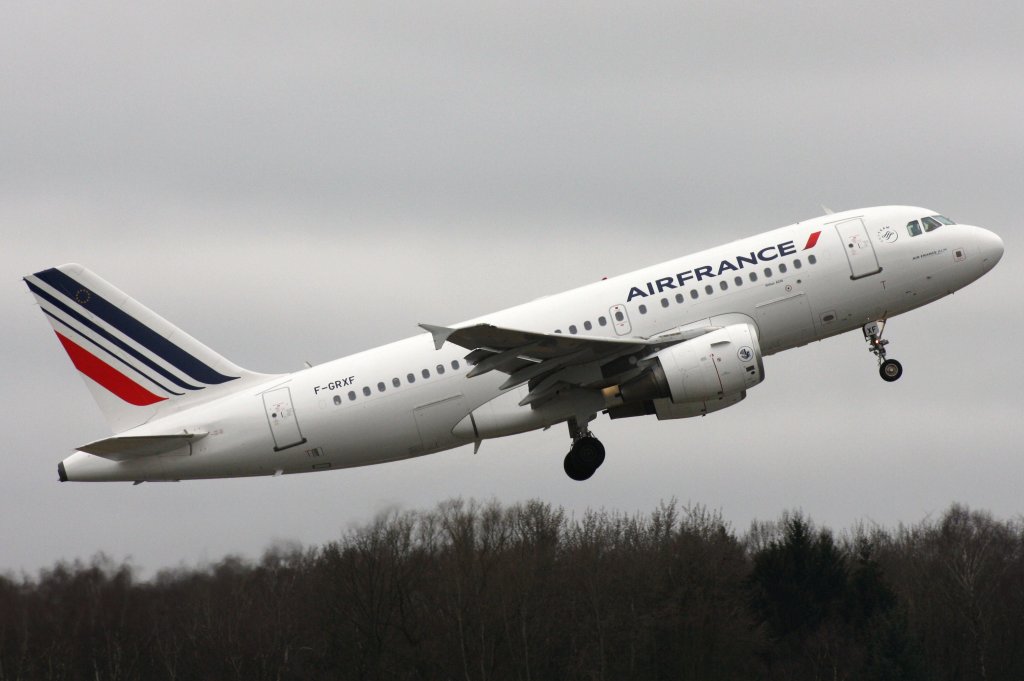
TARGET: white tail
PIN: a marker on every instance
(135, 362)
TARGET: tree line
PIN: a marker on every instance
(481, 591)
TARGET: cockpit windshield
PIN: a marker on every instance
(917, 227)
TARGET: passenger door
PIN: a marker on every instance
(860, 252)
(281, 416)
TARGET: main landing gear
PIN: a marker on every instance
(889, 369)
(586, 455)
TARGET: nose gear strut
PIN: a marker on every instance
(889, 369)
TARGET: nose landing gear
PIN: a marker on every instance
(586, 454)
(889, 369)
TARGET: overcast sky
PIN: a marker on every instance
(295, 182)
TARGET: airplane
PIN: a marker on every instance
(679, 339)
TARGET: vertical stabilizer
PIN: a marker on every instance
(135, 362)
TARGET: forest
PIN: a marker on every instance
(479, 591)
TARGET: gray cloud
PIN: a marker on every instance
(302, 182)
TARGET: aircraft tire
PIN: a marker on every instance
(890, 370)
(589, 451)
(585, 457)
(576, 469)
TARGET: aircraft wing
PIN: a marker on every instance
(549, 361)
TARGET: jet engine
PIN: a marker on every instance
(714, 369)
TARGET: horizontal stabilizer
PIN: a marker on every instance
(134, 447)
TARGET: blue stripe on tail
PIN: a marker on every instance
(133, 328)
(110, 337)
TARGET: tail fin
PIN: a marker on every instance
(135, 362)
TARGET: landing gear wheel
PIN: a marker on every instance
(590, 451)
(585, 457)
(575, 469)
(890, 370)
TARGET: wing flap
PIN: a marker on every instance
(124, 448)
(538, 346)
(547, 361)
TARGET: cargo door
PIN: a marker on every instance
(435, 422)
(784, 323)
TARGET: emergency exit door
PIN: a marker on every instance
(860, 252)
(620, 319)
(281, 416)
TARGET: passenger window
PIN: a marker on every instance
(664, 302)
(679, 298)
(753, 276)
(723, 285)
(426, 373)
(455, 364)
(708, 290)
(812, 259)
(797, 264)
(694, 293)
(738, 281)
(351, 395)
(411, 378)
(782, 268)
(618, 316)
(642, 308)
(440, 369)
(587, 325)
(366, 390)
(768, 272)
(395, 382)
(930, 223)
(381, 387)
(337, 399)
(913, 228)
(602, 321)
(572, 328)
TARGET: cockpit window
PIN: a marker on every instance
(914, 228)
(930, 223)
(944, 220)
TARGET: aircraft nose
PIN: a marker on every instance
(991, 248)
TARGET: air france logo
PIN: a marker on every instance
(734, 264)
(887, 235)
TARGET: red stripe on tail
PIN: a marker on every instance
(811, 240)
(107, 376)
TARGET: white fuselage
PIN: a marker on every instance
(407, 398)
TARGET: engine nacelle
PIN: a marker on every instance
(723, 362)
(704, 369)
(667, 409)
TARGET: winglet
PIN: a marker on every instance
(828, 211)
(440, 334)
